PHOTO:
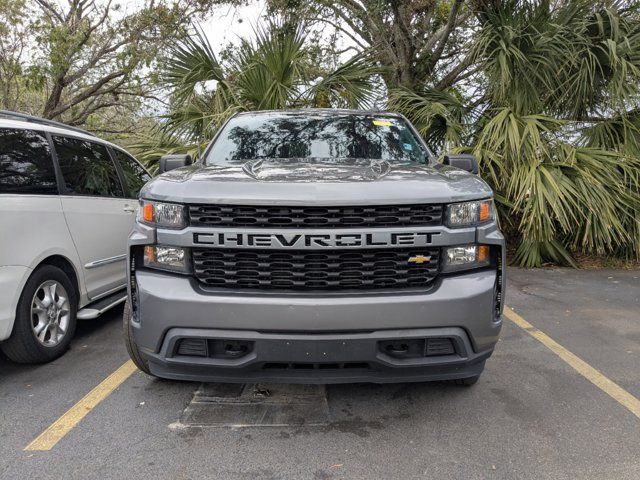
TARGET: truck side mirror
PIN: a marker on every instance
(171, 162)
(464, 161)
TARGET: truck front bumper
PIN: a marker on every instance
(314, 339)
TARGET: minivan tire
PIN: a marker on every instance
(23, 346)
(132, 348)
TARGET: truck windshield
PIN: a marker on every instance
(332, 137)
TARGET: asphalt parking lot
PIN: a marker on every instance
(536, 412)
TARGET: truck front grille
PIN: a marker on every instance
(309, 270)
(315, 217)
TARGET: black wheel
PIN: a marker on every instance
(45, 318)
(467, 382)
(132, 348)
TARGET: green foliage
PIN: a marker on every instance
(150, 148)
(556, 127)
(72, 60)
(440, 117)
(274, 71)
(565, 197)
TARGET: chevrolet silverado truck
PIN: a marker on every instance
(315, 246)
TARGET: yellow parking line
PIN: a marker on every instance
(611, 388)
(57, 430)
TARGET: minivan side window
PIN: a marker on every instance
(134, 175)
(87, 168)
(26, 165)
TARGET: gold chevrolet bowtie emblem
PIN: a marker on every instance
(419, 259)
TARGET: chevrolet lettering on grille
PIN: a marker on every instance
(315, 241)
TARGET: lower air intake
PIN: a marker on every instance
(439, 346)
(192, 347)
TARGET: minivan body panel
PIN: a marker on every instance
(39, 223)
(99, 228)
(12, 280)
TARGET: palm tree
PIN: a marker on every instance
(276, 70)
(556, 126)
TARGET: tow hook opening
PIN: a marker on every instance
(404, 348)
(235, 348)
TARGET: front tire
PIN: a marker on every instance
(45, 318)
(132, 348)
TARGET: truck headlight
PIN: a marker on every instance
(465, 257)
(468, 214)
(173, 259)
(159, 214)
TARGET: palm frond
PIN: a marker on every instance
(191, 63)
(620, 133)
(566, 197)
(269, 71)
(351, 85)
(440, 117)
(148, 150)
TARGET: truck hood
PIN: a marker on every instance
(316, 182)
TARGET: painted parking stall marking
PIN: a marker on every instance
(58, 429)
(608, 386)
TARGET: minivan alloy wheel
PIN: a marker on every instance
(50, 313)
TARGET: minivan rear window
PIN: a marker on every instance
(25, 163)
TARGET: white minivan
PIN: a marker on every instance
(68, 202)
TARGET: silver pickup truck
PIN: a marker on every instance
(315, 246)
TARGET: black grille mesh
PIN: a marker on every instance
(315, 217)
(313, 270)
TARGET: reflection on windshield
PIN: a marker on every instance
(331, 138)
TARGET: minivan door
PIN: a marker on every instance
(97, 212)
